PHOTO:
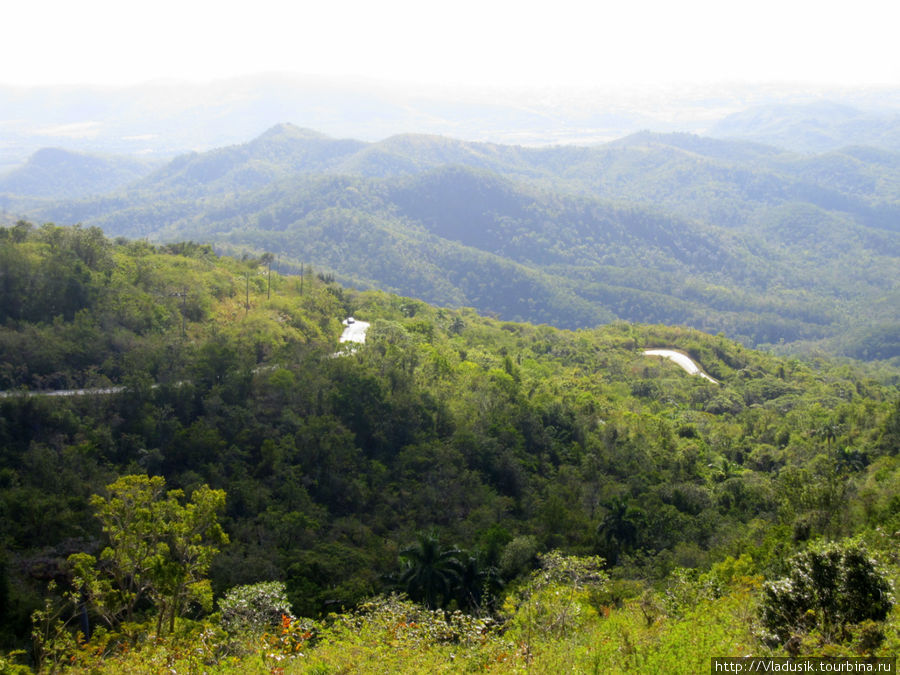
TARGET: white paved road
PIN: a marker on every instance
(682, 360)
(354, 331)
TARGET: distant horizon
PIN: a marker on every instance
(473, 44)
(167, 118)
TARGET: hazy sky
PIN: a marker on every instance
(459, 42)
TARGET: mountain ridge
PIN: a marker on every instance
(818, 126)
(739, 219)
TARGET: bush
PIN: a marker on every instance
(254, 607)
(557, 598)
(827, 587)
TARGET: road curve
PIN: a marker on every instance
(682, 360)
(354, 331)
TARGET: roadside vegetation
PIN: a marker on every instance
(458, 493)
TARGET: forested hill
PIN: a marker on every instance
(54, 173)
(496, 440)
(766, 246)
(812, 127)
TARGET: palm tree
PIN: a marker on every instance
(850, 459)
(724, 470)
(431, 572)
(478, 586)
(619, 528)
(830, 432)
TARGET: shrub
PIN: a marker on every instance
(557, 598)
(254, 607)
(827, 587)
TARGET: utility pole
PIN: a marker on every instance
(183, 295)
(267, 258)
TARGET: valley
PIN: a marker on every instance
(772, 248)
(294, 400)
(557, 466)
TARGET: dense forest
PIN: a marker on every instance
(218, 472)
(771, 248)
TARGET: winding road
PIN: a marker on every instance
(682, 360)
(99, 391)
(354, 331)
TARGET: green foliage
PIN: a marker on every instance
(254, 607)
(767, 247)
(557, 597)
(391, 634)
(507, 439)
(619, 528)
(58, 173)
(159, 549)
(519, 556)
(431, 572)
(826, 588)
(53, 642)
(8, 665)
(411, 623)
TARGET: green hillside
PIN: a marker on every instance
(769, 247)
(53, 173)
(514, 453)
(812, 127)
(282, 151)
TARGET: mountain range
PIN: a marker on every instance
(812, 127)
(766, 245)
(164, 119)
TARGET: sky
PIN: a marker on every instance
(464, 42)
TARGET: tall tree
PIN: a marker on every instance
(619, 528)
(431, 571)
(159, 548)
